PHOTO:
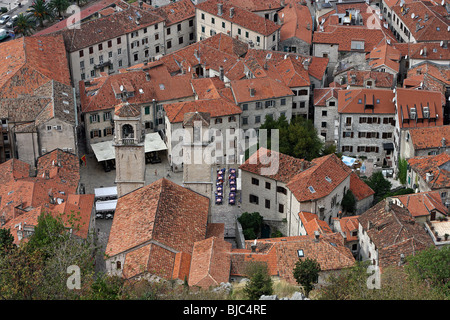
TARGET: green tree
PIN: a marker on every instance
(432, 266)
(402, 170)
(251, 224)
(298, 138)
(41, 11)
(306, 273)
(349, 202)
(21, 274)
(49, 230)
(59, 6)
(260, 282)
(107, 287)
(6, 241)
(379, 184)
(24, 24)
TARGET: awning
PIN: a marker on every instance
(388, 146)
(105, 150)
(105, 192)
(349, 161)
(104, 206)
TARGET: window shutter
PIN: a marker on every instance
(351, 148)
(104, 132)
(99, 133)
(92, 134)
(104, 116)
(90, 119)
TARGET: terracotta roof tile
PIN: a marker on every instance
(430, 137)
(322, 177)
(281, 254)
(215, 107)
(312, 223)
(321, 95)
(381, 79)
(286, 167)
(176, 12)
(210, 263)
(437, 165)
(393, 232)
(297, 22)
(264, 88)
(359, 101)
(359, 188)
(421, 204)
(163, 212)
(418, 99)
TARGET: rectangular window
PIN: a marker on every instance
(281, 208)
(281, 190)
(223, 25)
(254, 199)
(267, 204)
(91, 50)
(203, 16)
(213, 21)
(81, 52)
(168, 31)
(100, 47)
(255, 181)
(268, 185)
(245, 107)
(169, 44)
(191, 23)
(239, 31)
(246, 34)
(180, 40)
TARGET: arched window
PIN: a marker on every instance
(119, 265)
(127, 131)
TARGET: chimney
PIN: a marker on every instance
(316, 236)
(402, 259)
(219, 9)
(221, 73)
(253, 246)
(140, 3)
(387, 205)
(47, 174)
(443, 142)
(231, 12)
(429, 176)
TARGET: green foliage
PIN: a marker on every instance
(59, 6)
(260, 282)
(306, 273)
(107, 287)
(349, 202)
(24, 24)
(298, 138)
(432, 266)
(49, 230)
(6, 241)
(402, 170)
(251, 224)
(379, 184)
(41, 11)
(399, 192)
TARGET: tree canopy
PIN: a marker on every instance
(306, 273)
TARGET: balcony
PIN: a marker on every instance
(103, 64)
(128, 141)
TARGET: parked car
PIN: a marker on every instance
(9, 24)
(4, 19)
(4, 34)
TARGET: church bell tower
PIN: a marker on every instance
(129, 148)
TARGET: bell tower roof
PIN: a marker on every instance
(191, 117)
(127, 110)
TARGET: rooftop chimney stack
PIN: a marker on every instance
(253, 246)
(388, 203)
(219, 9)
(316, 236)
(231, 12)
(221, 73)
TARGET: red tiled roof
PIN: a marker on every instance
(421, 204)
(429, 137)
(410, 98)
(393, 232)
(162, 211)
(257, 5)
(152, 83)
(359, 188)
(433, 23)
(264, 88)
(321, 95)
(281, 254)
(356, 100)
(381, 79)
(242, 17)
(29, 62)
(210, 264)
(284, 167)
(176, 12)
(434, 164)
(348, 226)
(322, 177)
(312, 223)
(385, 55)
(428, 51)
(109, 27)
(297, 22)
(215, 107)
(343, 36)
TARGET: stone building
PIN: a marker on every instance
(215, 16)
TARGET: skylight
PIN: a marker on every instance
(311, 189)
(161, 86)
(300, 253)
(328, 179)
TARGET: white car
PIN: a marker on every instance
(4, 19)
(9, 24)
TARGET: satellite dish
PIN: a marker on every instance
(421, 51)
(442, 43)
(412, 15)
(394, 90)
(121, 87)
